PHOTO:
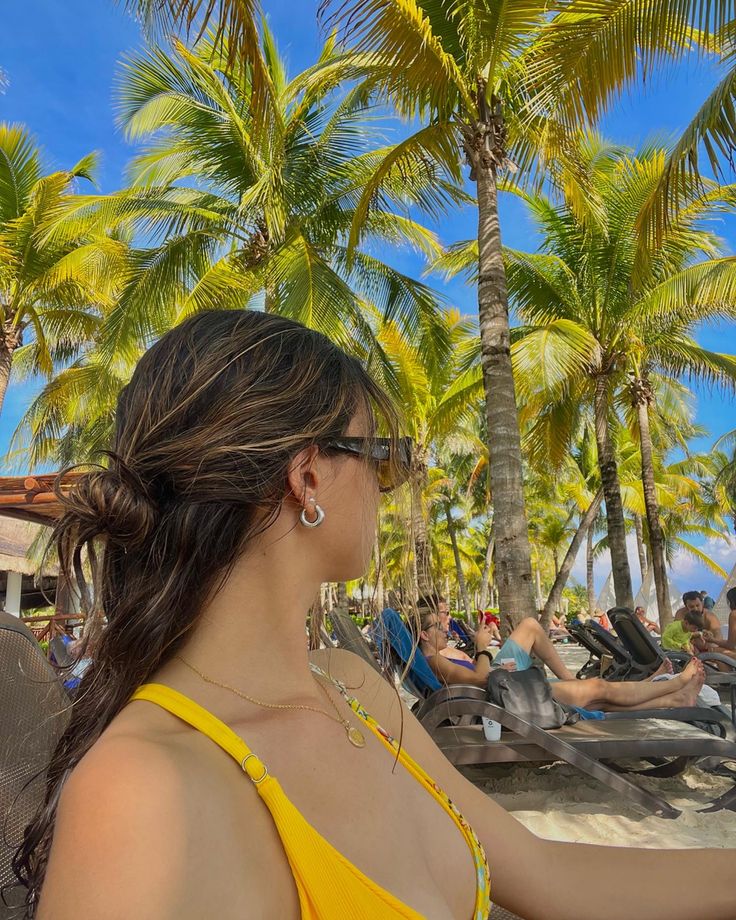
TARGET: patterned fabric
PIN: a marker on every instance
(482, 874)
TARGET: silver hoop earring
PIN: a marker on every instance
(317, 521)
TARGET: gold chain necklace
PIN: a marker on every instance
(355, 736)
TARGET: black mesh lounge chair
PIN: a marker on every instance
(649, 654)
(596, 652)
(33, 713)
(599, 643)
(350, 637)
(624, 667)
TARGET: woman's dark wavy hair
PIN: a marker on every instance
(205, 432)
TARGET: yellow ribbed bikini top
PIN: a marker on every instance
(330, 887)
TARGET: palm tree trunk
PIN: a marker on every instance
(419, 527)
(656, 539)
(10, 340)
(342, 597)
(612, 494)
(638, 527)
(513, 570)
(462, 585)
(485, 587)
(380, 594)
(590, 584)
(585, 528)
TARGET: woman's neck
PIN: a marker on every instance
(251, 634)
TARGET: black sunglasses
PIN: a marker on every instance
(392, 458)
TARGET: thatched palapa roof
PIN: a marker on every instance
(21, 544)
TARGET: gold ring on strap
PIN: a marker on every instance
(261, 777)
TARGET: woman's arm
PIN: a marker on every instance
(525, 870)
(451, 673)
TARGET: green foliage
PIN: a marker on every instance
(54, 294)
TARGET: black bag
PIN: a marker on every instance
(527, 694)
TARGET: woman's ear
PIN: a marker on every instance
(302, 475)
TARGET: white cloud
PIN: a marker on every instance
(687, 572)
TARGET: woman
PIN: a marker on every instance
(241, 479)
(529, 639)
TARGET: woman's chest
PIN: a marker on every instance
(362, 802)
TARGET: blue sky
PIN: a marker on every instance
(61, 59)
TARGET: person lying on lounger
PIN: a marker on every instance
(530, 639)
(558, 627)
(648, 624)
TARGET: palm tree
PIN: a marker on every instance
(597, 330)
(53, 293)
(239, 212)
(711, 131)
(565, 505)
(235, 19)
(436, 397)
(235, 213)
(498, 85)
(596, 325)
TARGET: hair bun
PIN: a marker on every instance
(112, 503)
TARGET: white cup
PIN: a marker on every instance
(491, 729)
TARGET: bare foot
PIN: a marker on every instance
(664, 668)
(692, 669)
(688, 695)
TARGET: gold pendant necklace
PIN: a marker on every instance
(355, 736)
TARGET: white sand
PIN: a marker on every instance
(560, 803)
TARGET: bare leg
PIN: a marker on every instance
(664, 668)
(595, 693)
(533, 639)
(721, 665)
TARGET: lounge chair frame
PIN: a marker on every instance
(650, 655)
(587, 745)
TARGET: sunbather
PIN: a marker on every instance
(437, 603)
(244, 474)
(715, 642)
(594, 693)
(558, 627)
(648, 624)
(601, 617)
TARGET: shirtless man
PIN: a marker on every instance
(693, 602)
(725, 646)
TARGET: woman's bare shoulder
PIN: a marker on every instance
(117, 824)
(372, 690)
(147, 822)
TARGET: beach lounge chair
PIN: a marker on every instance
(596, 652)
(452, 716)
(60, 653)
(649, 655)
(33, 714)
(350, 637)
(622, 666)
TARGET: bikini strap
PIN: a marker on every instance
(215, 729)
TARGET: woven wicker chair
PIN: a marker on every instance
(33, 713)
(500, 913)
